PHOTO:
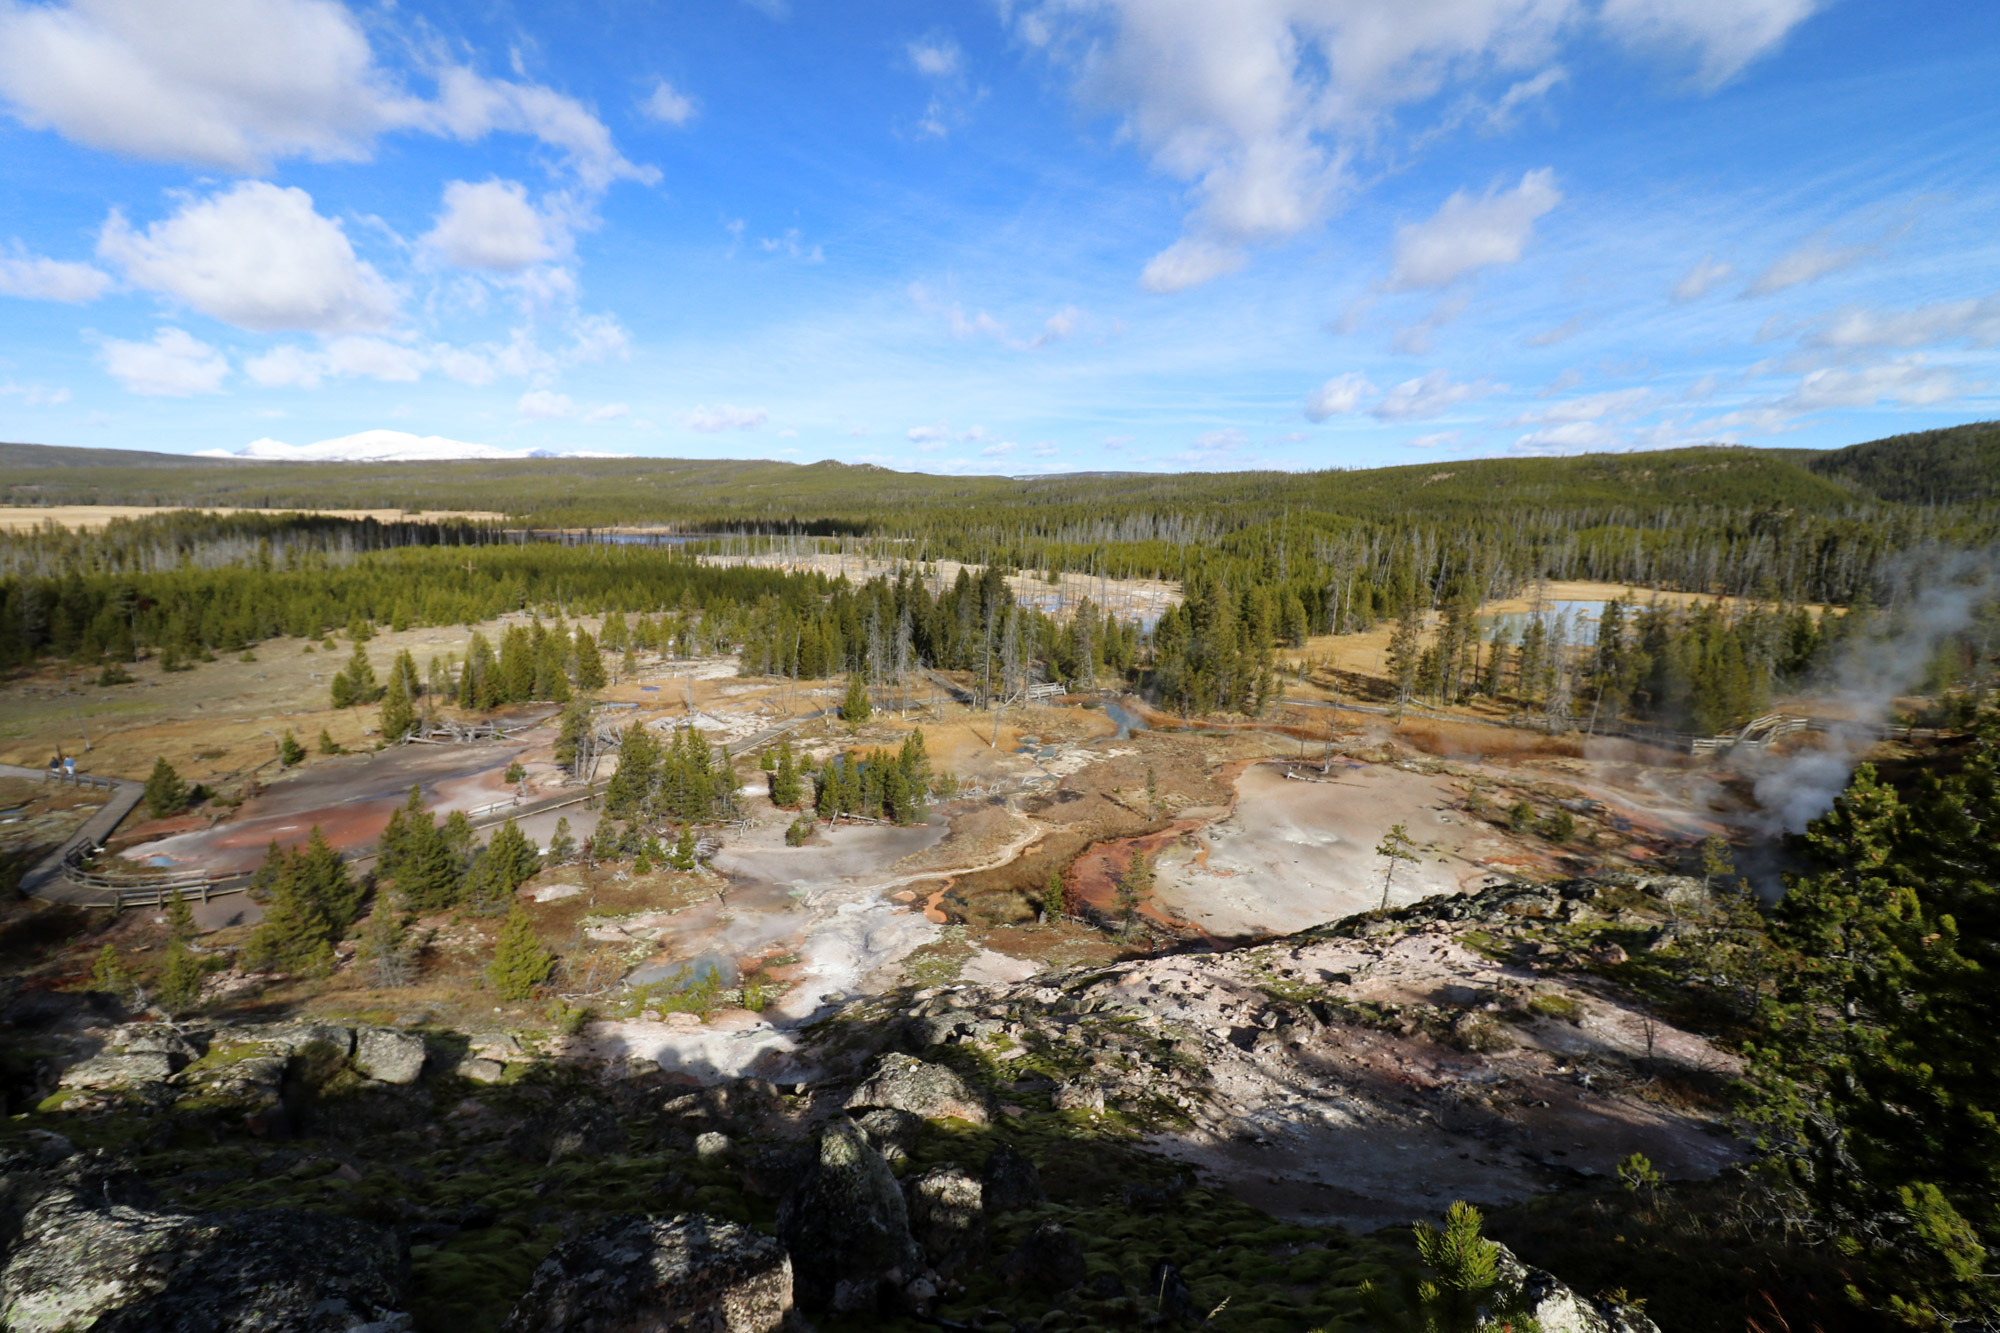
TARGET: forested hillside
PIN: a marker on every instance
(1956, 465)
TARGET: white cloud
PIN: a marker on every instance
(793, 246)
(1261, 106)
(1433, 441)
(34, 395)
(242, 84)
(1812, 259)
(668, 105)
(1338, 396)
(1429, 396)
(291, 366)
(1907, 382)
(257, 256)
(174, 365)
(935, 57)
(1562, 332)
(491, 225)
(1591, 407)
(1417, 339)
(1698, 281)
(1570, 437)
(1000, 450)
(929, 434)
(723, 417)
(1189, 262)
(1722, 36)
(543, 405)
(1467, 234)
(604, 412)
(33, 278)
(1976, 321)
(1058, 326)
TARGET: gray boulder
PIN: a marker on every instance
(905, 1083)
(113, 1070)
(1557, 1309)
(846, 1224)
(1011, 1181)
(81, 1261)
(688, 1272)
(947, 1215)
(292, 1037)
(893, 1133)
(152, 1039)
(389, 1055)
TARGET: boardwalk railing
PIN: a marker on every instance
(142, 890)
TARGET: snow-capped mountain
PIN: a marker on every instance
(386, 446)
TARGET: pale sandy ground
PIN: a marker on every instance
(80, 518)
(1295, 854)
(1129, 599)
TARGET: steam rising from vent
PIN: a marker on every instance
(1876, 665)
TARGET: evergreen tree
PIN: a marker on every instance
(562, 844)
(1055, 898)
(180, 921)
(399, 714)
(1874, 1076)
(109, 975)
(166, 793)
(520, 963)
(1395, 848)
(326, 742)
(312, 903)
(290, 752)
(787, 786)
(684, 850)
(855, 708)
(590, 674)
(180, 981)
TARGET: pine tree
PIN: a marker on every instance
(520, 963)
(589, 663)
(181, 928)
(1395, 848)
(109, 975)
(166, 793)
(1055, 898)
(180, 981)
(385, 944)
(326, 742)
(562, 844)
(290, 752)
(855, 708)
(399, 714)
(684, 850)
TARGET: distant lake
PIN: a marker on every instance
(1583, 621)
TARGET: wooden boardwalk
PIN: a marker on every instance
(45, 880)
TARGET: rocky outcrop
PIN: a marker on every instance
(689, 1272)
(847, 1226)
(81, 1260)
(905, 1083)
(388, 1055)
(893, 1133)
(1557, 1309)
(947, 1216)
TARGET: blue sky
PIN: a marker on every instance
(1014, 236)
